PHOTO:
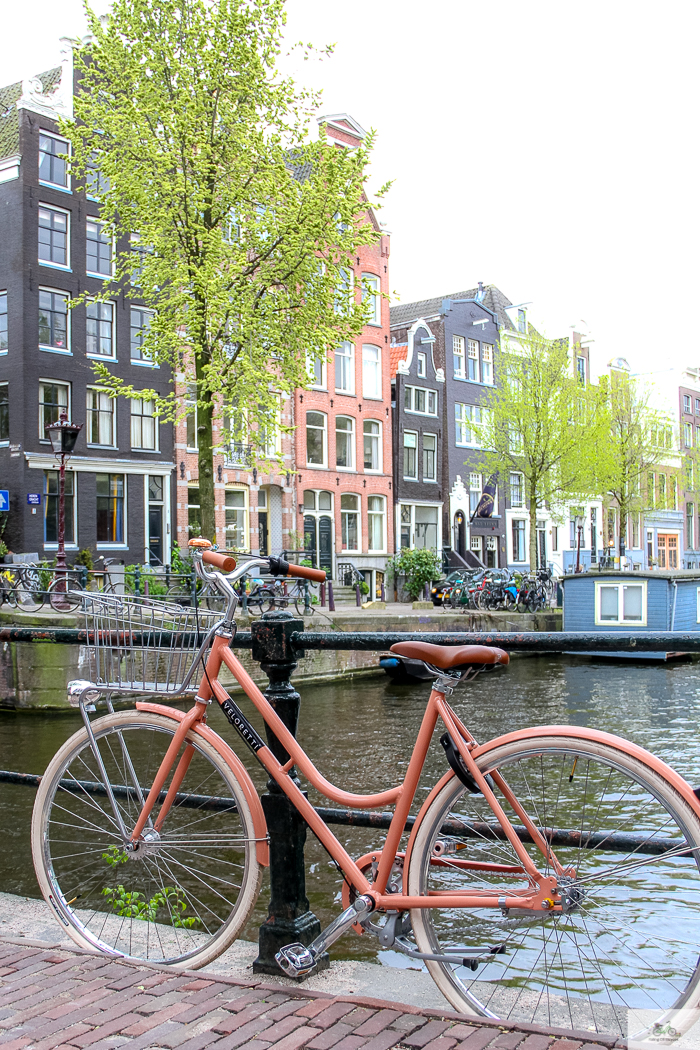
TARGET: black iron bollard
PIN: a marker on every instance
(331, 599)
(323, 596)
(358, 596)
(289, 918)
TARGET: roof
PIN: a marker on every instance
(397, 352)
(493, 299)
(9, 114)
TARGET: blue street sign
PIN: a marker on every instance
(4, 499)
(34, 499)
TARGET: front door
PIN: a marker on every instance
(668, 551)
(325, 544)
(155, 535)
(310, 544)
(460, 539)
(541, 548)
(262, 532)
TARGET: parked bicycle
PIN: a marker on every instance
(20, 587)
(552, 875)
(65, 590)
(499, 591)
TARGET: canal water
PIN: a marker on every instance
(360, 736)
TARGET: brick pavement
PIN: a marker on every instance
(70, 1000)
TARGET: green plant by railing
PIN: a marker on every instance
(419, 566)
(141, 574)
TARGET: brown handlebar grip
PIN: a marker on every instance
(220, 561)
(307, 573)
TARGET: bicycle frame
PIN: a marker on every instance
(402, 796)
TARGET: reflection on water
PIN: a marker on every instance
(360, 735)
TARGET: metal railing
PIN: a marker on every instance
(277, 641)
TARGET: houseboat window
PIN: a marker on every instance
(621, 603)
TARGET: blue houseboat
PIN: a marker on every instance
(627, 601)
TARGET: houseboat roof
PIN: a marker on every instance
(637, 574)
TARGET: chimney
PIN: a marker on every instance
(481, 291)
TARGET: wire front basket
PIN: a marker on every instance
(142, 645)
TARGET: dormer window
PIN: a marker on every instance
(421, 365)
(522, 321)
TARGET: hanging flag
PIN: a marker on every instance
(486, 505)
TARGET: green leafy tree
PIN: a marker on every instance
(638, 438)
(229, 222)
(543, 423)
(419, 566)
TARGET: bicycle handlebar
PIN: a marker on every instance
(224, 562)
(280, 567)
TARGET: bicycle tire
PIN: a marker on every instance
(68, 600)
(584, 965)
(30, 595)
(168, 869)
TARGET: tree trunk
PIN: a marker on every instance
(205, 441)
(533, 528)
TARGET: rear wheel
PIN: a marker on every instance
(64, 594)
(629, 937)
(180, 899)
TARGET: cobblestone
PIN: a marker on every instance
(61, 1000)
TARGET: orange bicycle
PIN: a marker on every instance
(551, 875)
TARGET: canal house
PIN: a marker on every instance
(632, 601)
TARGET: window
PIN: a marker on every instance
(317, 369)
(140, 324)
(53, 321)
(688, 435)
(522, 321)
(518, 539)
(53, 399)
(636, 543)
(473, 361)
(344, 296)
(144, 426)
(194, 517)
(458, 355)
(96, 184)
(406, 525)
(271, 435)
(581, 370)
(697, 436)
(100, 412)
(110, 508)
(138, 252)
(98, 249)
(99, 329)
(690, 526)
(371, 298)
(51, 506)
(697, 406)
(421, 365)
(345, 369)
(425, 527)
(345, 443)
(376, 519)
(191, 419)
(487, 364)
(371, 372)
(53, 169)
(673, 492)
(621, 603)
(612, 527)
(465, 416)
(474, 491)
(651, 497)
(316, 439)
(687, 403)
(418, 399)
(53, 236)
(555, 538)
(661, 480)
(4, 413)
(236, 522)
(516, 490)
(410, 455)
(689, 475)
(350, 522)
(371, 435)
(3, 322)
(429, 457)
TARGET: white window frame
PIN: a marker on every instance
(426, 478)
(46, 347)
(113, 407)
(378, 364)
(143, 362)
(324, 464)
(421, 364)
(459, 354)
(463, 423)
(357, 511)
(346, 291)
(517, 474)
(374, 293)
(404, 446)
(371, 514)
(473, 355)
(66, 143)
(380, 447)
(620, 621)
(6, 315)
(697, 605)
(476, 486)
(106, 545)
(91, 273)
(44, 262)
(523, 560)
(351, 444)
(156, 429)
(102, 357)
(687, 404)
(246, 515)
(487, 360)
(91, 167)
(311, 363)
(350, 358)
(688, 435)
(53, 382)
(410, 394)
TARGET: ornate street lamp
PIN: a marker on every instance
(63, 436)
(579, 520)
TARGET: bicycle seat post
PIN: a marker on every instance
(289, 918)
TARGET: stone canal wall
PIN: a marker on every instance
(33, 675)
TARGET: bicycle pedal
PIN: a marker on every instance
(295, 960)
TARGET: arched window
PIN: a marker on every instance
(372, 438)
(345, 442)
(316, 439)
(350, 522)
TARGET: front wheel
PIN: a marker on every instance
(180, 899)
(64, 595)
(628, 937)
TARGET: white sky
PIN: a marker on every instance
(549, 148)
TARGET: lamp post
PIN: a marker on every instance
(63, 436)
(579, 532)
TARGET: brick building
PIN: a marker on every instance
(52, 249)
